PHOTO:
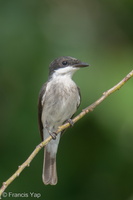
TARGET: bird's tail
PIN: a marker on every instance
(49, 175)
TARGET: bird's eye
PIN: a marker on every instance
(64, 62)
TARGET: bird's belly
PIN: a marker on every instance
(60, 107)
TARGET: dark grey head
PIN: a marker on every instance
(65, 64)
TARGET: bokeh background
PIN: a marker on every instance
(95, 157)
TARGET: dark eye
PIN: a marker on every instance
(64, 62)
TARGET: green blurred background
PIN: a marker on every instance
(95, 157)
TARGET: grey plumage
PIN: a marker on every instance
(59, 99)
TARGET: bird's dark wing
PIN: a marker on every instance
(40, 108)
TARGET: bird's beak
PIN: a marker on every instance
(82, 64)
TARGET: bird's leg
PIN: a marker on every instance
(70, 122)
(52, 134)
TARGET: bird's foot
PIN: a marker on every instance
(70, 122)
(53, 135)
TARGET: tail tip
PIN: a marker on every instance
(52, 181)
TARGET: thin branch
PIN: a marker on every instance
(61, 128)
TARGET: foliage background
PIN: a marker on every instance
(95, 157)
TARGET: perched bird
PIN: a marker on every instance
(59, 99)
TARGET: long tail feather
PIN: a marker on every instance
(49, 175)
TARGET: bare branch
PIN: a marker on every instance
(61, 128)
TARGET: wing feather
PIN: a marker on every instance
(40, 108)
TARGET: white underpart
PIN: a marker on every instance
(62, 74)
(69, 71)
(60, 103)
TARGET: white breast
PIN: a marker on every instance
(60, 101)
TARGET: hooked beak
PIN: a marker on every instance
(82, 64)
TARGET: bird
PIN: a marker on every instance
(59, 99)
